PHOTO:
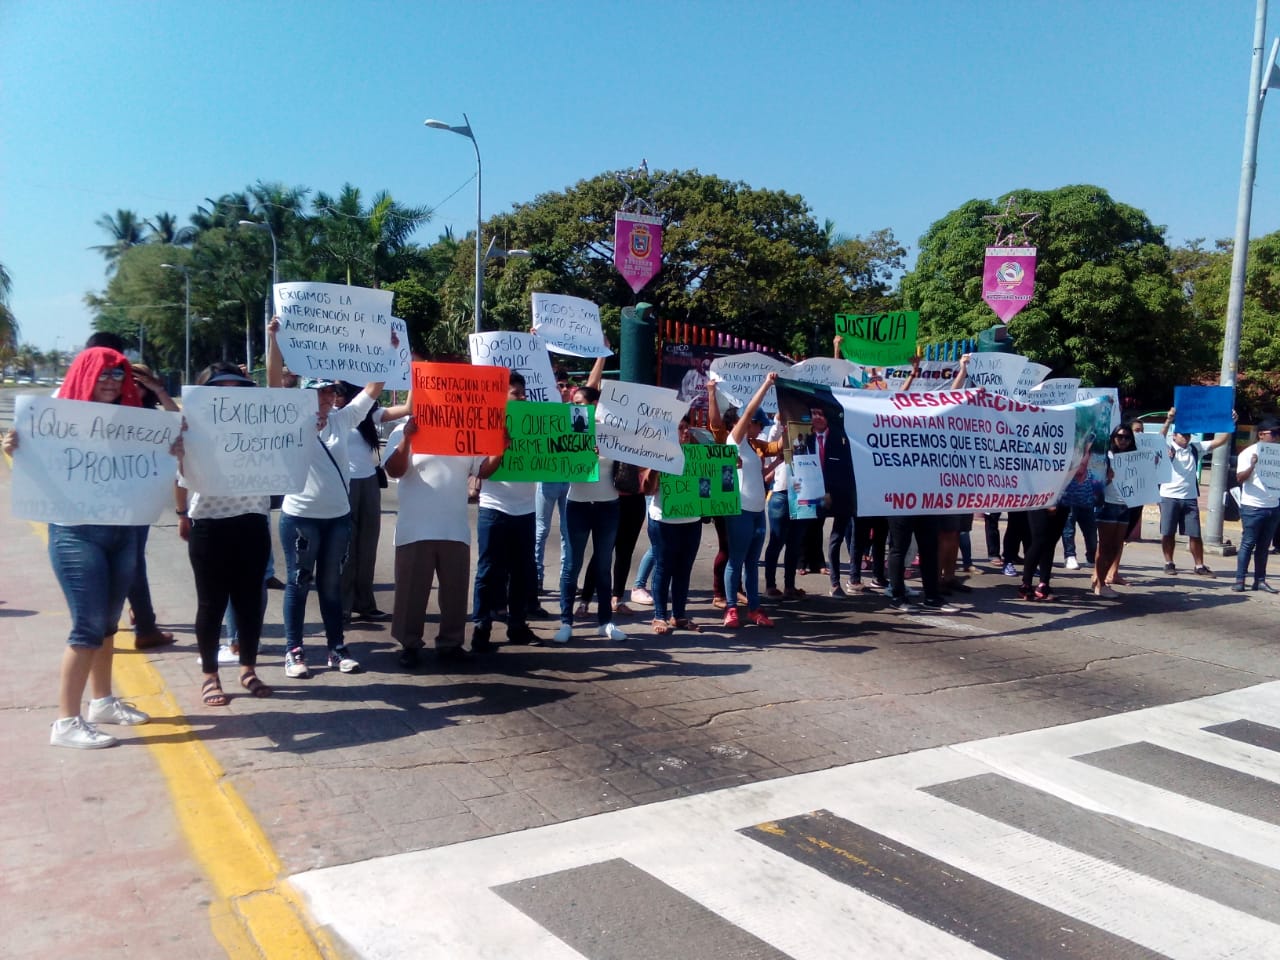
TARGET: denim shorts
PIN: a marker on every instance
(94, 565)
(1111, 513)
(1179, 513)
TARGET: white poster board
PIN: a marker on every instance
(569, 325)
(997, 372)
(334, 332)
(739, 376)
(80, 462)
(1134, 475)
(1158, 447)
(807, 488)
(401, 359)
(1054, 393)
(640, 424)
(246, 442)
(824, 372)
(1032, 374)
(1268, 465)
(523, 353)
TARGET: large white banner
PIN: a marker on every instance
(932, 375)
(739, 377)
(523, 353)
(569, 325)
(335, 332)
(80, 462)
(637, 423)
(398, 374)
(823, 372)
(243, 442)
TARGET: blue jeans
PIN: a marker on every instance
(1083, 518)
(144, 614)
(314, 550)
(94, 564)
(504, 566)
(675, 547)
(645, 570)
(549, 496)
(600, 522)
(742, 572)
(1259, 525)
(786, 537)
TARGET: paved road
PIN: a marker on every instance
(207, 831)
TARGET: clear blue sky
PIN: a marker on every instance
(880, 114)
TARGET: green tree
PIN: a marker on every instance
(9, 327)
(143, 303)
(126, 230)
(365, 246)
(1107, 308)
(164, 229)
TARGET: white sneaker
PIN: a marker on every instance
(74, 732)
(295, 664)
(115, 710)
(641, 596)
(563, 635)
(1073, 563)
(610, 632)
(341, 660)
(225, 655)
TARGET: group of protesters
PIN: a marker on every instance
(328, 531)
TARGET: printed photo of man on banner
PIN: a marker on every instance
(1008, 279)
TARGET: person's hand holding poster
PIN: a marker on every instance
(247, 442)
(335, 332)
(569, 325)
(460, 409)
(522, 353)
(550, 442)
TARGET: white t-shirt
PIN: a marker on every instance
(515, 498)
(599, 491)
(750, 477)
(1184, 461)
(433, 495)
(325, 495)
(361, 458)
(1253, 492)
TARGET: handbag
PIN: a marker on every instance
(626, 477)
(382, 477)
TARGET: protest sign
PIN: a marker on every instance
(996, 372)
(685, 368)
(806, 489)
(1008, 279)
(824, 372)
(248, 442)
(640, 424)
(1158, 447)
(335, 332)
(954, 451)
(1204, 409)
(708, 485)
(878, 339)
(1054, 393)
(637, 247)
(1134, 474)
(1032, 374)
(931, 375)
(461, 409)
(522, 353)
(1268, 465)
(739, 377)
(98, 463)
(569, 325)
(1110, 398)
(401, 357)
(550, 442)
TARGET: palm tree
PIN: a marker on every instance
(365, 244)
(164, 229)
(9, 329)
(126, 230)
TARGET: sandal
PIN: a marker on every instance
(687, 624)
(211, 693)
(255, 686)
(622, 609)
(661, 627)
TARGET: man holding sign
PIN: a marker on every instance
(1258, 472)
(1180, 497)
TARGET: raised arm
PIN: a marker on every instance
(715, 419)
(275, 363)
(1168, 422)
(962, 373)
(596, 376)
(835, 346)
(911, 377)
(1220, 438)
(744, 417)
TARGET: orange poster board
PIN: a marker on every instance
(461, 409)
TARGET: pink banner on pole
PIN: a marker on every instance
(637, 248)
(1008, 279)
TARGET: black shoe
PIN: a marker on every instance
(275, 583)
(454, 655)
(1265, 587)
(483, 645)
(539, 613)
(521, 634)
(903, 605)
(372, 616)
(480, 636)
(410, 658)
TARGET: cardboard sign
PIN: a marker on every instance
(551, 442)
(242, 442)
(1055, 392)
(708, 485)
(1134, 473)
(996, 372)
(878, 339)
(335, 332)
(522, 353)
(637, 248)
(99, 463)
(569, 325)
(1204, 410)
(1008, 279)
(401, 358)
(823, 372)
(461, 410)
(640, 424)
(739, 377)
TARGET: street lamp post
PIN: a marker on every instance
(266, 304)
(186, 275)
(466, 131)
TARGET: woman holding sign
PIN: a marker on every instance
(1112, 516)
(95, 565)
(675, 547)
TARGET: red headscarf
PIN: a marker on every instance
(82, 376)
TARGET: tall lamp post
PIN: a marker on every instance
(186, 275)
(1259, 82)
(266, 304)
(465, 131)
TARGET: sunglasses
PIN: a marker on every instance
(115, 373)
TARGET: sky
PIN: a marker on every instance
(880, 114)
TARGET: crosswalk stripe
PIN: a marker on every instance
(1246, 731)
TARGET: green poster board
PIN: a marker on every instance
(709, 485)
(550, 441)
(878, 339)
